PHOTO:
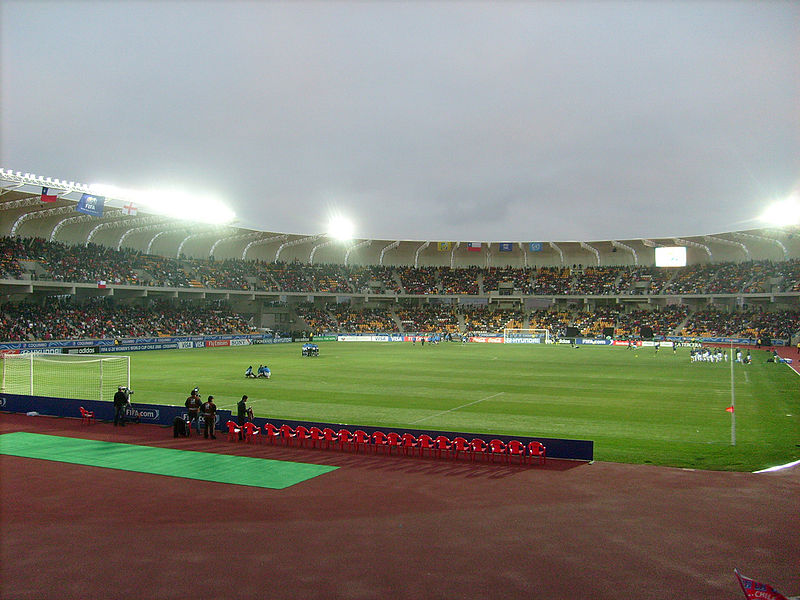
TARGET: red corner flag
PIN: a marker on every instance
(754, 590)
(47, 196)
(729, 409)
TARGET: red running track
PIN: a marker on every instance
(383, 527)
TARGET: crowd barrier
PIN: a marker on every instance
(164, 415)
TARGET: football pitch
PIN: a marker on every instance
(638, 406)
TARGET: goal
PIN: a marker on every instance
(526, 336)
(65, 375)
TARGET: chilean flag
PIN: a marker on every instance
(753, 589)
(47, 196)
(474, 246)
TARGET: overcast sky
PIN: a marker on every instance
(464, 121)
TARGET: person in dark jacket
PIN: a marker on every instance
(193, 403)
(120, 403)
(241, 415)
(209, 417)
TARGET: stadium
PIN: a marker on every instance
(144, 285)
(425, 300)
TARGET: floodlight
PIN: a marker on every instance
(171, 203)
(341, 228)
(784, 212)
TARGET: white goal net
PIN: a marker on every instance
(65, 375)
(526, 336)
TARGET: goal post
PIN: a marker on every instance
(525, 336)
(64, 375)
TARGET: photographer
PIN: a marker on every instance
(121, 402)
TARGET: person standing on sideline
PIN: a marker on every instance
(193, 403)
(120, 403)
(209, 417)
(241, 415)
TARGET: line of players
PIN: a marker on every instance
(716, 355)
(263, 371)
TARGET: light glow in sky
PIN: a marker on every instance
(178, 204)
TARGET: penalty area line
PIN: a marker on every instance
(444, 412)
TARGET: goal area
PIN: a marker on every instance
(526, 336)
(64, 375)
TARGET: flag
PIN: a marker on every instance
(131, 209)
(506, 246)
(101, 284)
(752, 589)
(729, 409)
(91, 205)
(535, 246)
(474, 246)
(444, 246)
(47, 196)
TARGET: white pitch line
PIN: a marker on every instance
(456, 408)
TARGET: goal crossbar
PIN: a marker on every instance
(64, 375)
(519, 335)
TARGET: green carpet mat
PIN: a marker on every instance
(222, 468)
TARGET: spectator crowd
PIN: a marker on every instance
(62, 318)
(55, 261)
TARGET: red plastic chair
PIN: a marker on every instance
(287, 433)
(252, 433)
(345, 438)
(516, 448)
(393, 440)
(460, 445)
(233, 431)
(301, 434)
(478, 446)
(360, 438)
(87, 416)
(271, 432)
(408, 441)
(425, 442)
(316, 436)
(442, 444)
(379, 441)
(497, 447)
(537, 449)
(328, 436)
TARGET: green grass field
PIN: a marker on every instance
(638, 407)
